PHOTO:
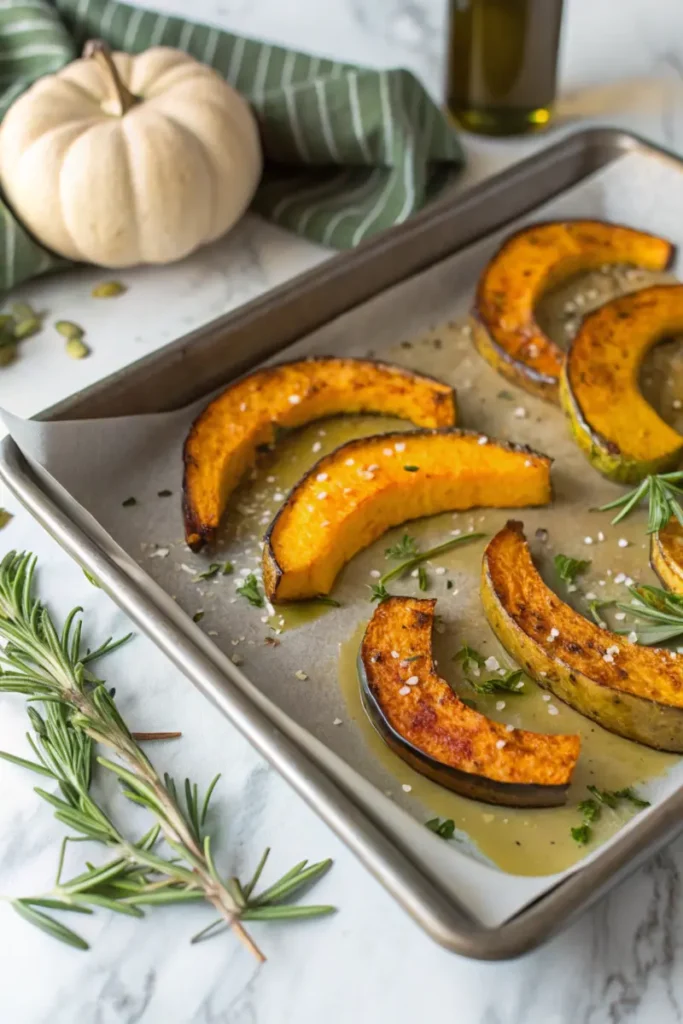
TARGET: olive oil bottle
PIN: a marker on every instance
(502, 64)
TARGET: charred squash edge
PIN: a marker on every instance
(604, 455)
(671, 715)
(271, 567)
(516, 370)
(197, 534)
(474, 787)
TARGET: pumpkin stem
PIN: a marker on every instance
(99, 51)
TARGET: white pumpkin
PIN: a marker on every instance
(119, 160)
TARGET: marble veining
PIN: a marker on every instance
(620, 963)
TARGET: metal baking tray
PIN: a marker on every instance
(209, 357)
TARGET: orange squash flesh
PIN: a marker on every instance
(354, 494)
(616, 427)
(631, 690)
(223, 441)
(666, 555)
(531, 262)
(438, 735)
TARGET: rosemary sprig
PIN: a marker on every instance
(512, 682)
(405, 548)
(662, 493)
(378, 591)
(50, 666)
(661, 611)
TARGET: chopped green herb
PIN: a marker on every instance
(445, 828)
(209, 573)
(378, 592)
(164, 494)
(506, 395)
(594, 609)
(469, 657)
(511, 683)
(5, 517)
(628, 794)
(227, 568)
(92, 579)
(129, 502)
(581, 834)
(569, 568)
(449, 584)
(411, 469)
(405, 548)
(604, 796)
(422, 580)
(590, 810)
(198, 616)
(250, 590)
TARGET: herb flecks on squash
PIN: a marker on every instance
(354, 494)
(531, 262)
(631, 690)
(423, 721)
(619, 431)
(666, 555)
(224, 439)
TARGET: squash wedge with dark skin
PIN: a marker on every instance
(224, 439)
(531, 262)
(631, 690)
(423, 721)
(357, 492)
(618, 430)
(666, 555)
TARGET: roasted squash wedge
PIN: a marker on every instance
(611, 421)
(532, 261)
(666, 555)
(419, 716)
(631, 690)
(354, 494)
(224, 439)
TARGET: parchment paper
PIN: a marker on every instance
(103, 463)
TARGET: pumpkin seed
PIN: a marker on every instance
(108, 290)
(25, 328)
(68, 329)
(77, 349)
(8, 353)
(22, 311)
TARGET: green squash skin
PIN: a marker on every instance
(605, 456)
(655, 725)
(474, 787)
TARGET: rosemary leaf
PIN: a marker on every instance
(662, 494)
(405, 548)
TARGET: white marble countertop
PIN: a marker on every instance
(622, 64)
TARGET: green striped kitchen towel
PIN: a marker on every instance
(349, 151)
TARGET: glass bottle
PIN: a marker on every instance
(502, 63)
